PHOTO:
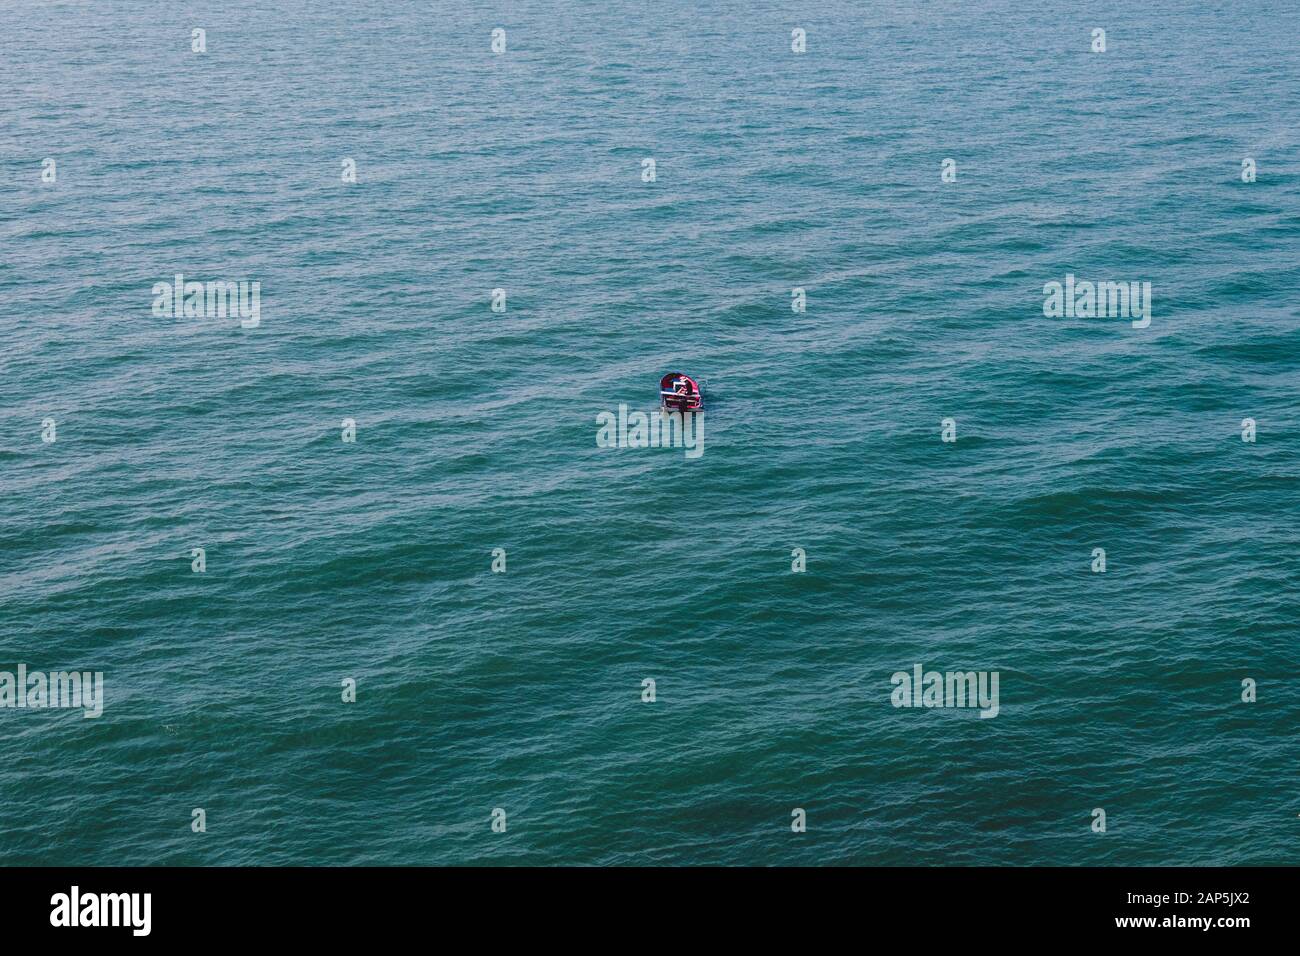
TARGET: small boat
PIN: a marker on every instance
(680, 393)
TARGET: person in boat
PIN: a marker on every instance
(682, 397)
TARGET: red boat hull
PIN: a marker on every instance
(680, 393)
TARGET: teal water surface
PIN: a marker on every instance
(476, 430)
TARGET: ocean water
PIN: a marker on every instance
(371, 560)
